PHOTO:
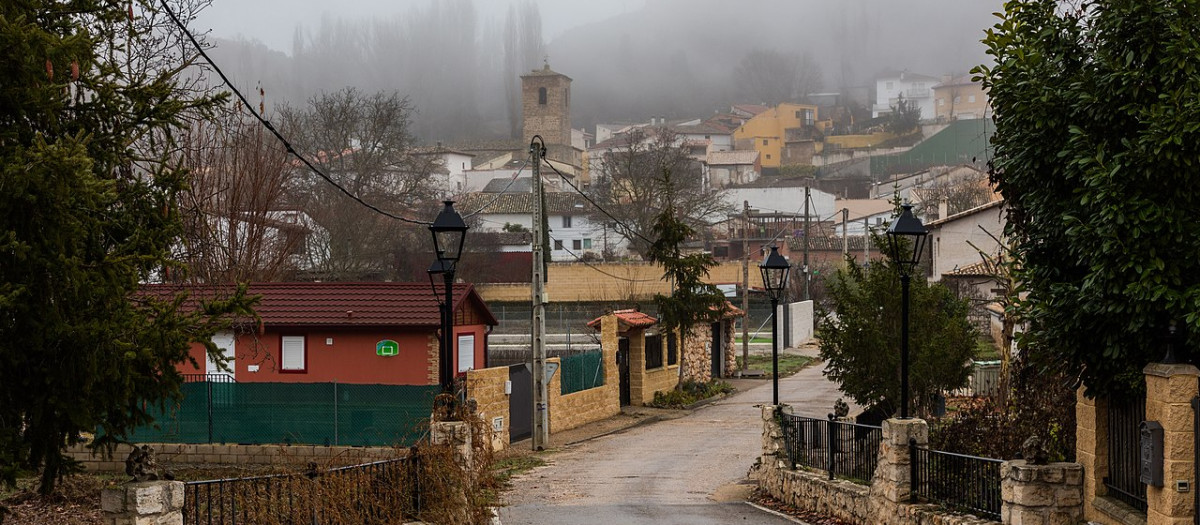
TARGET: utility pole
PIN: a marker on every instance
(806, 292)
(541, 419)
(746, 284)
(866, 239)
(845, 231)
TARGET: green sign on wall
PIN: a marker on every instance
(387, 348)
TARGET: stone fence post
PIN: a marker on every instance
(456, 434)
(1041, 493)
(145, 502)
(893, 475)
(773, 453)
(1169, 392)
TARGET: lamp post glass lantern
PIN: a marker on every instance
(449, 230)
(775, 272)
(906, 242)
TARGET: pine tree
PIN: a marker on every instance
(87, 212)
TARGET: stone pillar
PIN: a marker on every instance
(1169, 393)
(456, 434)
(773, 453)
(1041, 493)
(145, 502)
(893, 475)
(1091, 448)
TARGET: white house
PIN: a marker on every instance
(784, 197)
(914, 87)
(951, 239)
(454, 163)
(572, 232)
(732, 167)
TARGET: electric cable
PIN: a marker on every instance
(598, 207)
(502, 191)
(271, 128)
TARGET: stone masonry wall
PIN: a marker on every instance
(1049, 494)
(644, 383)
(884, 502)
(696, 354)
(580, 408)
(177, 455)
(486, 387)
(1169, 392)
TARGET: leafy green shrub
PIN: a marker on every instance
(691, 392)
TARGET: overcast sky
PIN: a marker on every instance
(273, 21)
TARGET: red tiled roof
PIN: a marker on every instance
(339, 304)
(627, 319)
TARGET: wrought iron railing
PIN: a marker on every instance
(208, 378)
(372, 493)
(956, 481)
(1124, 481)
(847, 450)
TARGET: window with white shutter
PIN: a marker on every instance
(292, 353)
(466, 352)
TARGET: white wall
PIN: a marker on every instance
(796, 324)
(951, 241)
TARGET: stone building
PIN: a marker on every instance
(546, 106)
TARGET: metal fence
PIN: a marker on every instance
(292, 413)
(1124, 479)
(842, 449)
(581, 372)
(373, 493)
(956, 481)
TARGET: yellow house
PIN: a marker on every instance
(960, 98)
(782, 135)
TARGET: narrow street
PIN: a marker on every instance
(690, 470)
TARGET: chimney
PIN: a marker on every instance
(943, 208)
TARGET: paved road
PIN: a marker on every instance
(688, 470)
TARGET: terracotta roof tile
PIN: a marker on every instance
(627, 319)
(338, 304)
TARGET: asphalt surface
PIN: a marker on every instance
(688, 470)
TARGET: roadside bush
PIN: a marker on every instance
(691, 392)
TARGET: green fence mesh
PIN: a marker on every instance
(295, 413)
(582, 371)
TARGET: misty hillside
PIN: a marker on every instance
(672, 58)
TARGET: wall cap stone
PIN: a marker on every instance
(1166, 370)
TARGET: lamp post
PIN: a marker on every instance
(905, 233)
(449, 230)
(775, 271)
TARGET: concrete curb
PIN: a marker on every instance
(776, 513)
(641, 422)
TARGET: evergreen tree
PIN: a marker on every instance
(1097, 111)
(861, 343)
(692, 301)
(87, 212)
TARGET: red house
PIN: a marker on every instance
(362, 333)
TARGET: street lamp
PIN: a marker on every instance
(775, 271)
(449, 230)
(906, 242)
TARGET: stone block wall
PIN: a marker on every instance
(696, 354)
(486, 387)
(644, 383)
(1169, 393)
(180, 455)
(144, 503)
(580, 408)
(1048, 494)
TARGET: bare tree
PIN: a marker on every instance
(632, 187)
(237, 224)
(960, 193)
(363, 144)
(770, 77)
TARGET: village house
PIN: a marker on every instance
(361, 333)
(914, 87)
(960, 98)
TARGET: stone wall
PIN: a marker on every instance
(143, 503)
(580, 408)
(1169, 393)
(486, 387)
(643, 384)
(1042, 494)
(179, 455)
(696, 354)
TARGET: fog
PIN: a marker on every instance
(458, 60)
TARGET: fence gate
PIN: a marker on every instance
(718, 355)
(623, 369)
(520, 403)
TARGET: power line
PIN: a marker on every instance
(271, 128)
(598, 207)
